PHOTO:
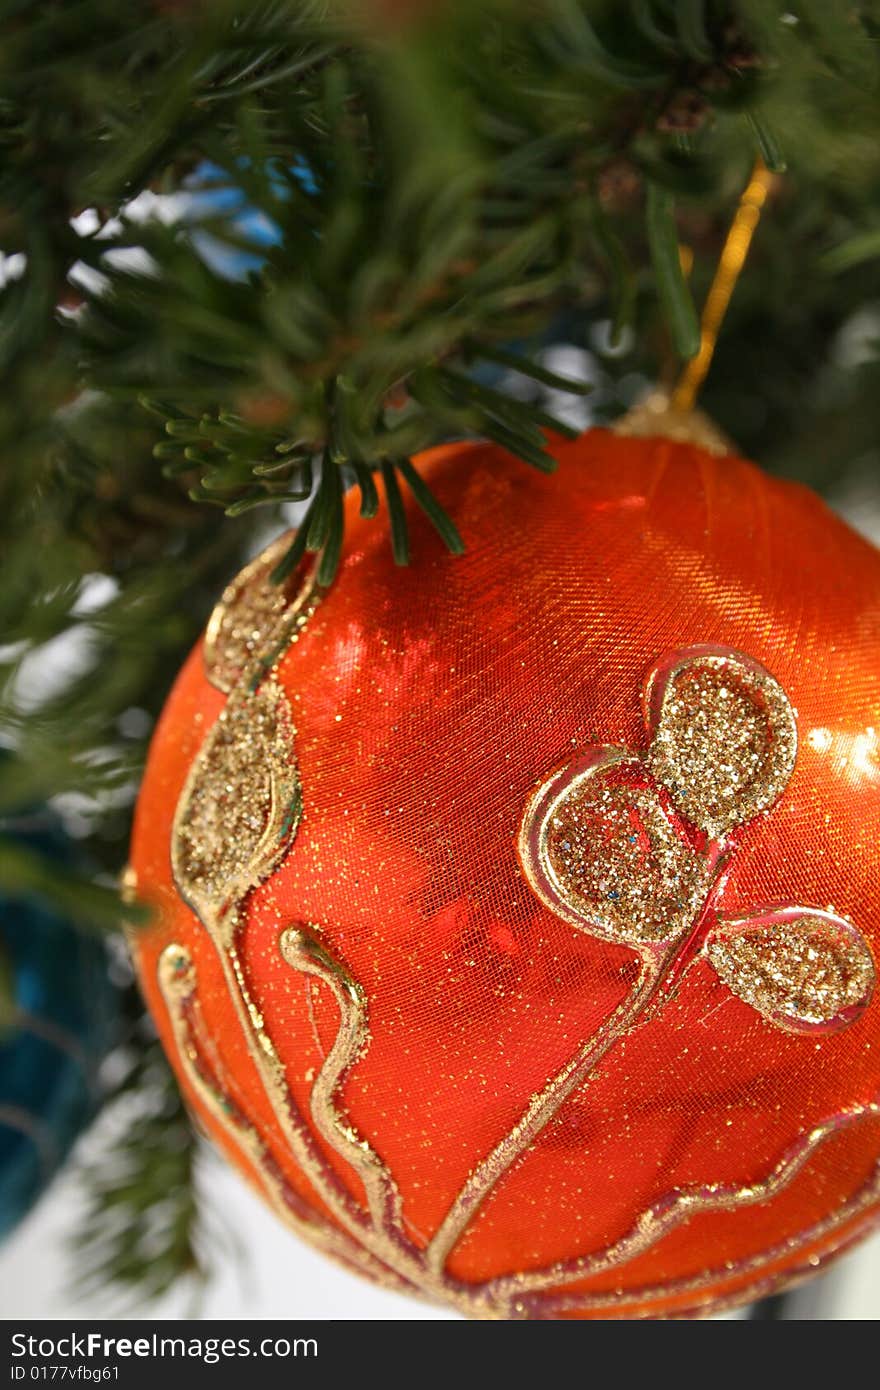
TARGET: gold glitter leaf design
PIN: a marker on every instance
(725, 737)
(601, 849)
(804, 970)
(252, 619)
(617, 859)
(241, 803)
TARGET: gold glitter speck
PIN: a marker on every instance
(254, 618)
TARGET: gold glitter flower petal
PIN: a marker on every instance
(806, 971)
(241, 804)
(724, 738)
(597, 846)
(251, 619)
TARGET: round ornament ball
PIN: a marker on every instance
(517, 912)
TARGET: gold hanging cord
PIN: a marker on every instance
(733, 256)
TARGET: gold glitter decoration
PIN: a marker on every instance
(614, 854)
(802, 974)
(725, 741)
(251, 619)
(237, 815)
(302, 950)
(178, 985)
(671, 1210)
(705, 1285)
(601, 847)
(241, 803)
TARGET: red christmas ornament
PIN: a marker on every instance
(517, 912)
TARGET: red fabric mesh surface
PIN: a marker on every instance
(428, 702)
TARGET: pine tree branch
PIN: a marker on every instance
(142, 1229)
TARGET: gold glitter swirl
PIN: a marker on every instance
(725, 738)
(600, 848)
(709, 1297)
(299, 1136)
(810, 972)
(301, 950)
(678, 1205)
(236, 817)
(178, 985)
(616, 857)
(241, 804)
(252, 618)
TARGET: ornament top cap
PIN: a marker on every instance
(655, 416)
